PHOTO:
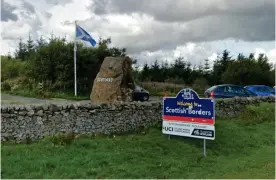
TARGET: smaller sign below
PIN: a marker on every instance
(189, 130)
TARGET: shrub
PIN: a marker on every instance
(60, 139)
(255, 114)
(13, 68)
(18, 83)
(200, 85)
(5, 86)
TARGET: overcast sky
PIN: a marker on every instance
(149, 29)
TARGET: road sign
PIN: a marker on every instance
(188, 115)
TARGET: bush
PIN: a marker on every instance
(60, 139)
(200, 85)
(12, 68)
(255, 114)
(5, 86)
(18, 83)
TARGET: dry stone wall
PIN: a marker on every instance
(19, 122)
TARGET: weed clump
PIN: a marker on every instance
(61, 139)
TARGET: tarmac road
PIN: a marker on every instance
(12, 99)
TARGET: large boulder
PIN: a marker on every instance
(114, 82)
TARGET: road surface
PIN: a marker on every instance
(12, 99)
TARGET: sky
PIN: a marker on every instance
(149, 29)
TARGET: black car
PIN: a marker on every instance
(140, 94)
(228, 91)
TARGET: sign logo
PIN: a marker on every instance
(203, 133)
(187, 94)
(168, 128)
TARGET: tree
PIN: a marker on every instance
(248, 71)
(155, 72)
(165, 69)
(9, 55)
(251, 56)
(145, 74)
(240, 56)
(178, 68)
(206, 66)
(30, 44)
(220, 66)
(40, 43)
(21, 52)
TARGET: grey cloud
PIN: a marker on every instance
(210, 20)
(58, 2)
(48, 15)
(182, 10)
(7, 12)
(99, 6)
(168, 36)
(28, 7)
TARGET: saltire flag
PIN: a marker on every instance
(81, 34)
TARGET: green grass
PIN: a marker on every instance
(240, 150)
(61, 95)
(158, 90)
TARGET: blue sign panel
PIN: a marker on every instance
(188, 107)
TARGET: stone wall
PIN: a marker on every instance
(20, 122)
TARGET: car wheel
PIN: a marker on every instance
(146, 97)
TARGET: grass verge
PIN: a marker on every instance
(62, 95)
(239, 151)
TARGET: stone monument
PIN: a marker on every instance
(114, 82)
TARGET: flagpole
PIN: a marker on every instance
(75, 60)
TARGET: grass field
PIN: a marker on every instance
(243, 148)
(154, 88)
(28, 93)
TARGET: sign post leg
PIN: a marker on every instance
(204, 147)
(169, 137)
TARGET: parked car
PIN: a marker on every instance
(261, 90)
(140, 94)
(227, 91)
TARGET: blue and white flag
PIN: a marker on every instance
(81, 34)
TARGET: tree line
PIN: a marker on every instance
(51, 62)
(241, 70)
